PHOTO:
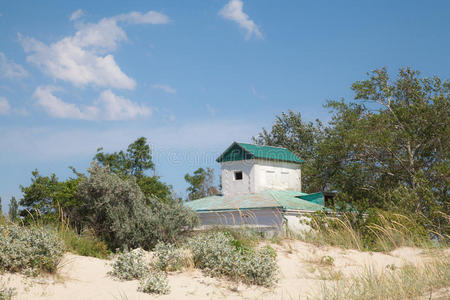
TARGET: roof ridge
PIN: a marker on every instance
(263, 145)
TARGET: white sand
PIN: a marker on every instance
(301, 275)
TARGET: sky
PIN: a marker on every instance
(190, 76)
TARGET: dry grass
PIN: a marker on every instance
(406, 282)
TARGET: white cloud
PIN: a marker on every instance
(107, 107)
(85, 58)
(5, 108)
(151, 17)
(233, 11)
(211, 110)
(165, 87)
(9, 69)
(114, 107)
(76, 15)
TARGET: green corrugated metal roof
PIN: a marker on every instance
(266, 199)
(315, 198)
(242, 151)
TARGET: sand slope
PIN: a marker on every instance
(301, 275)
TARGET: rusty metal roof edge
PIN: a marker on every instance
(238, 209)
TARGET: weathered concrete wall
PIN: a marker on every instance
(230, 186)
(276, 175)
(260, 175)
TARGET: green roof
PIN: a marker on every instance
(242, 151)
(266, 199)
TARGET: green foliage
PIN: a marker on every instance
(154, 282)
(13, 209)
(129, 265)
(168, 257)
(29, 249)
(118, 212)
(47, 198)
(388, 149)
(85, 244)
(217, 254)
(201, 184)
(135, 161)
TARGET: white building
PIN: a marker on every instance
(261, 186)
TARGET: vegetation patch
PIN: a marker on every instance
(30, 250)
(407, 282)
(154, 283)
(129, 265)
(219, 254)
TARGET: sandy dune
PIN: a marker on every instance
(301, 275)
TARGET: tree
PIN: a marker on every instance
(13, 209)
(48, 198)
(135, 162)
(1, 210)
(302, 138)
(389, 148)
(117, 210)
(201, 184)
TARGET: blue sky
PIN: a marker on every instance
(191, 76)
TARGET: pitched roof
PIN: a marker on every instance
(266, 199)
(243, 151)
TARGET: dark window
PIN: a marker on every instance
(238, 175)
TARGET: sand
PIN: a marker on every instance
(300, 276)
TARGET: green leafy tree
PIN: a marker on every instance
(48, 198)
(291, 132)
(388, 148)
(201, 184)
(13, 209)
(136, 161)
(1, 210)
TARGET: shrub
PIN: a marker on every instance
(120, 214)
(29, 249)
(154, 282)
(168, 257)
(218, 253)
(85, 244)
(129, 265)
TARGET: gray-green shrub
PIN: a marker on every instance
(123, 217)
(29, 249)
(218, 253)
(168, 257)
(154, 283)
(129, 265)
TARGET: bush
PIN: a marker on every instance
(168, 257)
(218, 254)
(155, 282)
(29, 249)
(129, 265)
(120, 214)
(85, 244)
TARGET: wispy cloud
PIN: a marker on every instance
(165, 87)
(256, 93)
(9, 69)
(234, 11)
(85, 58)
(5, 108)
(211, 110)
(76, 15)
(107, 107)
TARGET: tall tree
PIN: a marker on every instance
(291, 132)
(201, 184)
(48, 198)
(13, 209)
(135, 161)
